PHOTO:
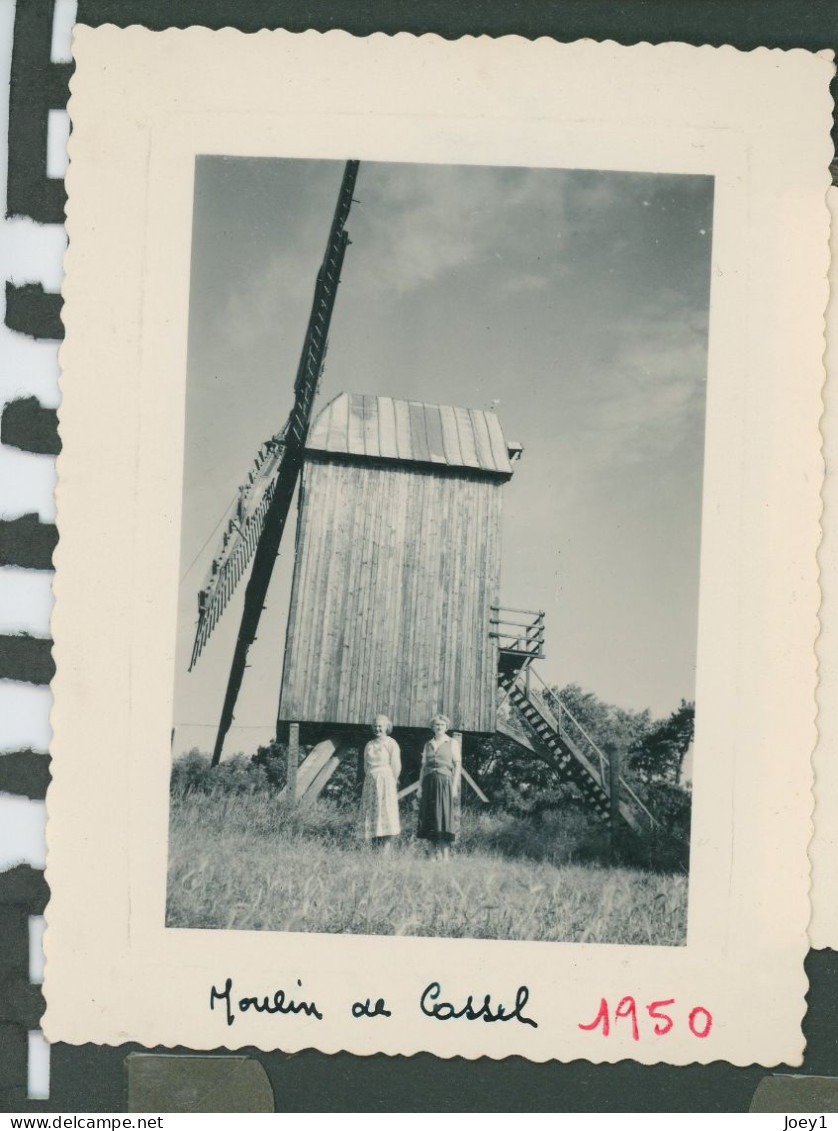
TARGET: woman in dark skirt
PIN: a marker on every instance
(439, 783)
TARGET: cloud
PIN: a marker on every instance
(273, 298)
(416, 225)
(648, 397)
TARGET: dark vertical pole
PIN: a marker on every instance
(456, 801)
(614, 785)
(293, 762)
(296, 433)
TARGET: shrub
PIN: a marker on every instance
(193, 773)
(556, 837)
(273, 759)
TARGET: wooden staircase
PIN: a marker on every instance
(541, 723)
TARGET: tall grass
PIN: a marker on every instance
(238, 861)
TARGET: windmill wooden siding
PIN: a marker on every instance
(397, 567)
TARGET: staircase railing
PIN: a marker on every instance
(523, 637)
(567, 725)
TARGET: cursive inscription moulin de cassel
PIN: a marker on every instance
(431, 1006)
(278, 1003)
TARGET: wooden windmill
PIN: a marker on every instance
(395, 603)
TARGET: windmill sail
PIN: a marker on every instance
(240, 539)
(265, 498)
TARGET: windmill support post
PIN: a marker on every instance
(293, 763)
(458, 795)
(614, 810)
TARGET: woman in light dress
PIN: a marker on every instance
(379, 801)
(439, 784)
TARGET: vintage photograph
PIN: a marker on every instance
(447, 651)
(441, 522)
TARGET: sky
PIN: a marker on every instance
(575, 301)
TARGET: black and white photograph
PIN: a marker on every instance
(441, 524)
(447, 651)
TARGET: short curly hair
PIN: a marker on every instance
(389, 727)
(441, 719)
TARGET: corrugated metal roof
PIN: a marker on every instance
(383, 428)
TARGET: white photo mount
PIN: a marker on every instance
(143, 106)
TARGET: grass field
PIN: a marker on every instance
(238, 862)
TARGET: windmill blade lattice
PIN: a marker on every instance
(239, 540)
(267, 507)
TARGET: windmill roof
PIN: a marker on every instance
(411, 431)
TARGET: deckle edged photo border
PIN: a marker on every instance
(758, 124)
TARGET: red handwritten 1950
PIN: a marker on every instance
(699, 1020)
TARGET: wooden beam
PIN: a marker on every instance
(614, 789)
(322, 780)
(326, 759)
(456, 801)
(470, 780)
(510, 732)
(293, 763)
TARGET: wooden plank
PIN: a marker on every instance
(334, 596)
(465, 431)
(449, 566)
(450, 436)
(323, 776)
(371, 446)
(447, 614)
(288, 707)
(431, 548)
(424, 655)
(467, 528)
(403, 430)
(515, 735)
(480, 626)
(293, 756)
(373, 486)
(355, 425)
(318, 436)
(614, 800)
(433, 427)
(319, 783)
(386, 631)
(352, 552)
(299, 707)
(470, 781)
(402, 490)
(360, 593)
(410, 693)
(462, 524)
(313, 763)
(316, 677)
(329, 595)
(387, 444)
(481, 439)
(491, 579)
(311, 674)
(457, 800)
(337, 438)
(500, 456)
(370, 625)
(418, 432)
